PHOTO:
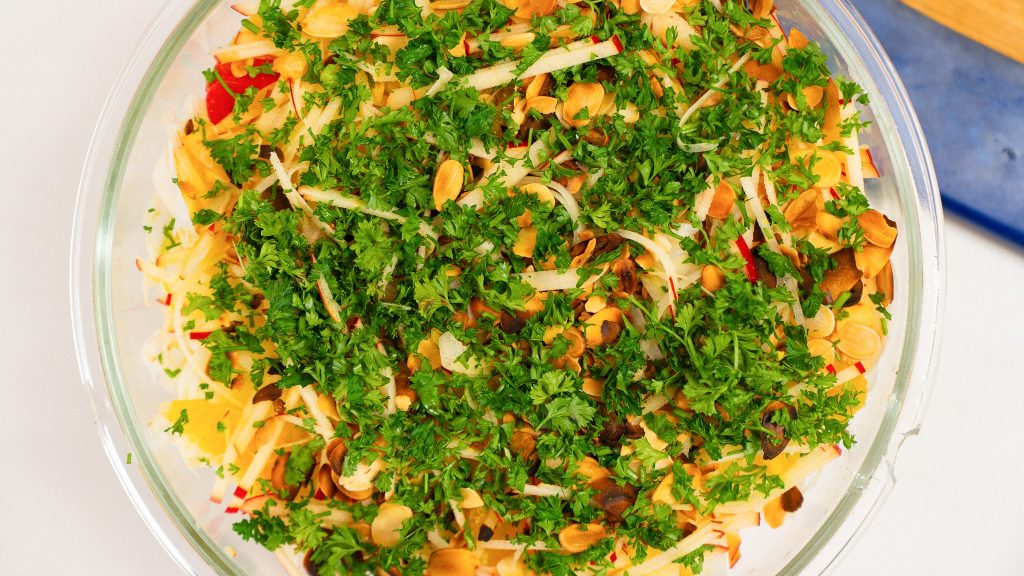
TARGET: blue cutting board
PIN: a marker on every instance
(970, 101)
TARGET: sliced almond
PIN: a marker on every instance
(593, 387)
(530, 8)
(857, 341)
(797, 40)
(328, 20)
(386, 529)
(595, 304)
(656, 6)
(542, 104)
(723, 201)
(812, 97)
(449, 4)
(828, 225)
(582, 96)
(830, 126)
(844, 276)
(802, 212)
(877, 229)
(526, 241)
(872, 259)
(518, 40)
(471, 499)
(536, 86)
(452, 562)
(822, 324)
(597, 326)
(823, 349)
(576, 538)
(448, 182)
(592, 470)
(827, 168)
(712, 278)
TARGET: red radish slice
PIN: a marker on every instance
(779, 26)
(868, 163)
(245, 9)
(237, 52)
(751, 269)
(295, 94)
(555, 59)
(846, 374)
(199, 335)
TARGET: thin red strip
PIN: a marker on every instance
(749, 257)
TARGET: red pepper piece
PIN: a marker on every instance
(220, 101)
(745, 252)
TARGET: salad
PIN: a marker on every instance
(513, 287)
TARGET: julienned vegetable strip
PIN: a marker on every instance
(555, 59)
(445, 299)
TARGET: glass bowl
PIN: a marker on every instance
(112, 318)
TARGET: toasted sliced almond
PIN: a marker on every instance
(844, 276)
(593, 387)
(712, 278)
(328, 20)
(723, 201)
(828, 225)
(530, 8)
(884, 283)
(386, 528)
(582, 96)
(656, 6)
(448, 182)
(872, 259)
(857, 340)
(526, 241)
(576, 538)
(822, 324)
(592, 470)
(830, 126)
(597, 326)
(823, 349)
(877, 229)
(797, 40)
(519, 40)
(595, 304)
(542, 104)
(828, 169)
(812, 97)
(536, 86)
(802, 212)
(449, 4)
(452, 562)
(471, 499)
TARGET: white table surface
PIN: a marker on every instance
(957, 508)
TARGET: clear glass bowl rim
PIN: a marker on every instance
(159, 507)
